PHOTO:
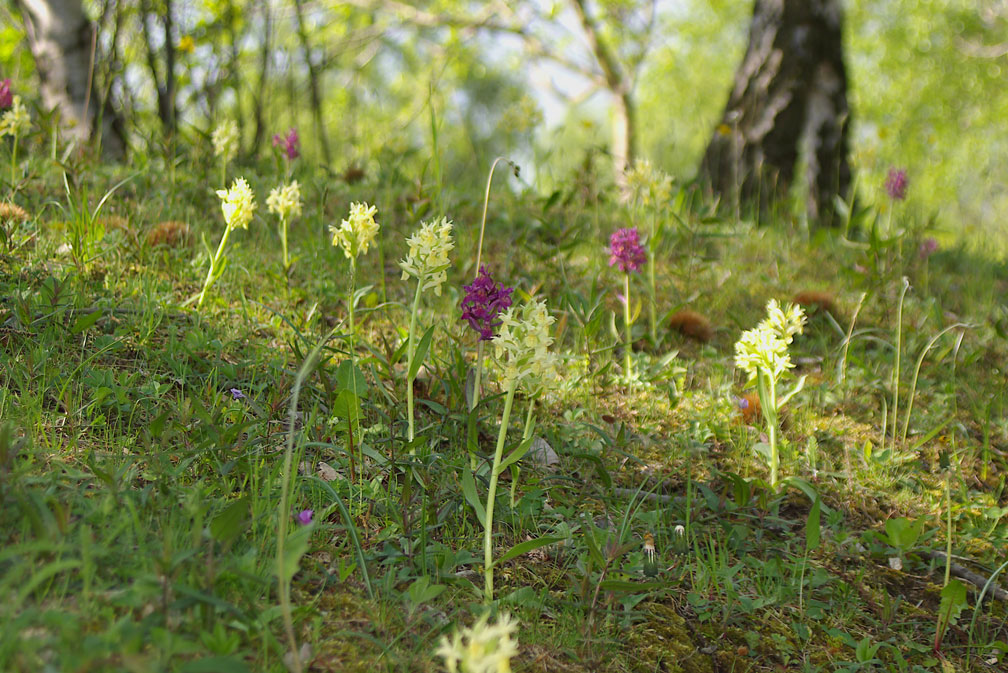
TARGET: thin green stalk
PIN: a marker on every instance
(492, 495)
(917, 368)
(411, 351)
(652, 309)
(284, 514)
(948, 526)
(627, 365)
(213, 265)
(13, 162)
(353, 366)
(896, 366)
(486, 205)
(479, 375)
(529, 417)
(283, 240)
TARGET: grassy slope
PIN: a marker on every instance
(125, 447)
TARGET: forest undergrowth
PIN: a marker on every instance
(243, 438)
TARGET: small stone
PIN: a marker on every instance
(327, 472)
(542, 453)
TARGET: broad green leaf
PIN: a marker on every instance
(420, 354)
(85, 321)
(469, 492)
(953, 602)
(231, 522)
(526, 547)
(515, 455)
(297, 547)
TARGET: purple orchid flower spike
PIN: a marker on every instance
(896, 184)
(290, 144)
(484, 301)
(626, 251)
(6, 95)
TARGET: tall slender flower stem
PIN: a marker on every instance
(283, 240)
(653, 299)
(213, 266)
(486, 205)
(13, 162)
(479, 375)
(627, 371)
(411, 352)
(353, 354)
(492, 495)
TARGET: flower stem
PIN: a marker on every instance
(353, 368)
(479, 375)
(627, 371)
(283, 240)
(492, 495)
(411, 352)
(652, 310)
(13, 162)
(213, 265)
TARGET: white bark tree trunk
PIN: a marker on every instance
(61, 36)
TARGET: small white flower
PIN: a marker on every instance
(483, 648)
(354, 235)
(765, 347)
(521, 346)
(15, 121)
(225, 140)
(285, 200)
(786, 322)
(238, 204)
(647, 185)
(427, 260)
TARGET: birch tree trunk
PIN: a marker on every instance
(62, 41)
(791, 86)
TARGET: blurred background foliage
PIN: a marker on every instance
(929, 88)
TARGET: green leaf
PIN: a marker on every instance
(953, 602)
(812, 527)
(85, 321)
(422, 591)
(350, 377)
(902, 533)
(593, 546)
(809, 491)
(297, 546)
(515, 455)
(526, 547)
(231, 522)
(347, 406)
(791, 393)
(469, 492)
(420, 354)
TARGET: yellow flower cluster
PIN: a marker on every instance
(285, 201)
(238, 204)
(521, 345)
(647, 185)
(16, 120)
(354, 235)
(766, 346)
(225, 140)
(483, 648)
(427, 260)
